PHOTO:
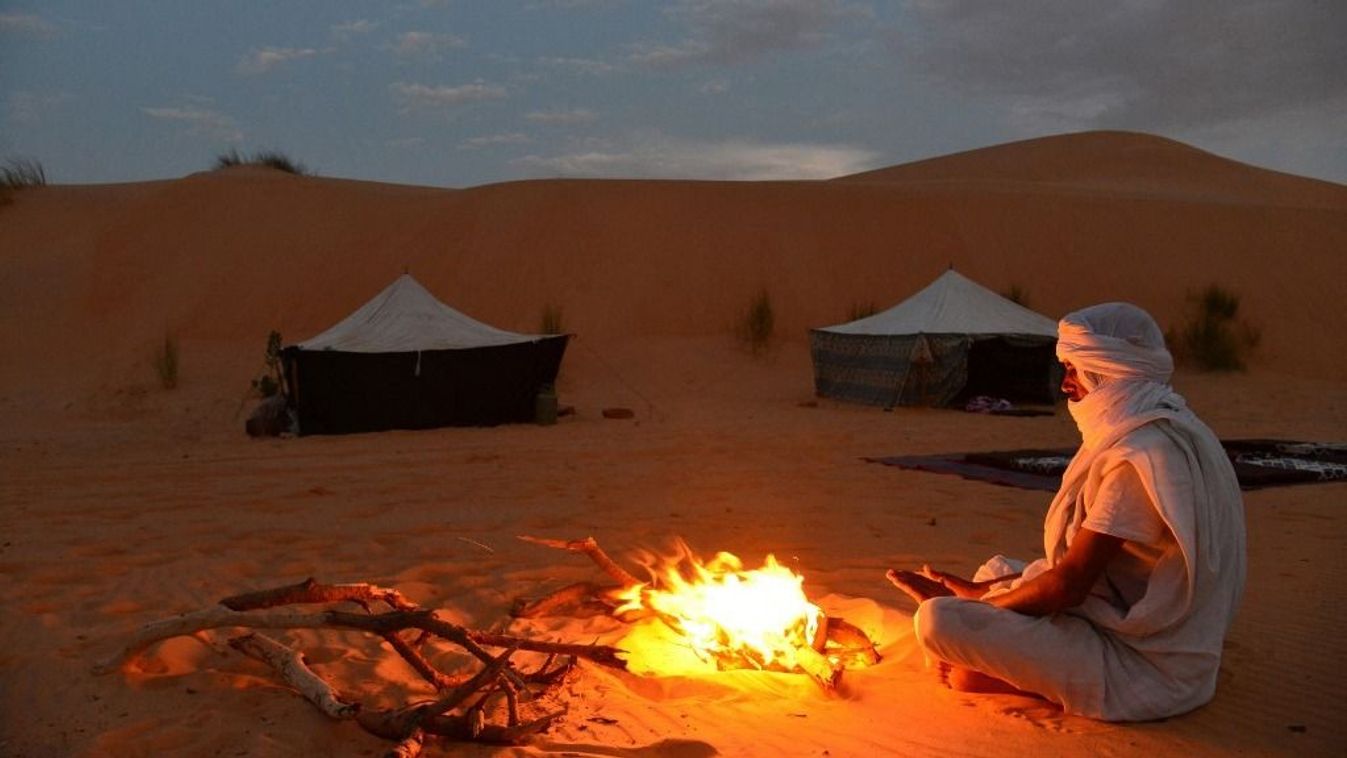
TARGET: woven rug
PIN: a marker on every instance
(1257, 462)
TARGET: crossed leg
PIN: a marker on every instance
(960, 678)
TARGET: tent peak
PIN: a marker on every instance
(953, 304)
(404, 317)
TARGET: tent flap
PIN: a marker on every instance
(923, 369)
(339, 393)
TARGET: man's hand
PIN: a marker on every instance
(960, 586)
(917, 586)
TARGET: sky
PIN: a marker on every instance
(459, 93)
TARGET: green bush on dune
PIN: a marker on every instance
(166, 362)
(267, 158)
(1018, 295)
(757, 322)
(1213, 338)
(550, 323)
(19, 174)
(861, 310)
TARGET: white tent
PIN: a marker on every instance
(406, 317)
(951, 339)
(405, 360)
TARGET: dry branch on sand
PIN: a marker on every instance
(461, 708)
(446, 716)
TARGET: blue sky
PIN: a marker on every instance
(460, 93)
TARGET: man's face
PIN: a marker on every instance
(1071, 386)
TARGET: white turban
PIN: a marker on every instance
(1114, 341)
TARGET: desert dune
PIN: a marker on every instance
(124, 503)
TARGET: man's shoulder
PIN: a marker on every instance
(1146, 441)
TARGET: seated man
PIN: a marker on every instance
(1124, 617)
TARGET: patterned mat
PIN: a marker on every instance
(1257, 462)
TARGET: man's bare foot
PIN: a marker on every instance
(962, 679)
(917, 587)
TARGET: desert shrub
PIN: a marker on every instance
(271, 383)
(861, 310)
(267, 158)
(757, 322)
(550, 322)
(21, 173)
(1017, 294)
(1213, 337)
(166, 362)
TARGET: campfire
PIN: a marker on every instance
(735, 618)
(727, 616)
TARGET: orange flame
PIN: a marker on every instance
(737, 618)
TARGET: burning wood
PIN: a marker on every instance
(736, 618)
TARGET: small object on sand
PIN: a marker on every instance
(988, 404)
(618, 413)
(271, 418)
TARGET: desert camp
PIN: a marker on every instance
(763, 253)
(728, 447)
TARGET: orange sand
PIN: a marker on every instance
(123, 503)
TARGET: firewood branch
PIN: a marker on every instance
(393, 621)
(410, 725)
(311, 591)
(590, 547)
(290, 664)
(569, 599)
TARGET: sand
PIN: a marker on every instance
(124, 503)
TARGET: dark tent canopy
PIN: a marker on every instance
(404, 360)
(952, 340)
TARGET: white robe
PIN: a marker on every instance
(1160, 656)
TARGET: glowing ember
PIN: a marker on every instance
(737, 618)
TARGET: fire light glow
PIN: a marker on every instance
(726, 615)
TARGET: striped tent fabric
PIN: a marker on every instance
(951, 338)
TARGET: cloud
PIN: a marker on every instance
(347, 30)
(199, 121)
(493, 140)
(1132, 64)
(733, 31)
(31, 108)
(262, 60)
(26, 24)
(571, 117)
(427, 45)
(570, 4)
(666, 158)
(587, 66)
(418, 96)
